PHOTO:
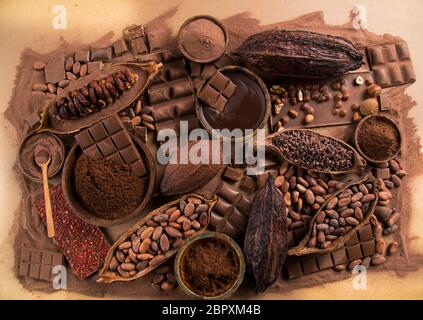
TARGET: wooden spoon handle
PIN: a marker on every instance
(47, 201)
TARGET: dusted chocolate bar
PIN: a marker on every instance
(391, 64)
(38, 264)
(110, 140)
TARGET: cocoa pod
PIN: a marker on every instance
(301, 54)
(184, 178)
(265, 244)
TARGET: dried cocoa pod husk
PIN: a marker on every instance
(301, 54)
(108, 276)
(184, 178)
(302, 248)
(265, 245)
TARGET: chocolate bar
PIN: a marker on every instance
(101, 54)
(110, 140)
(217, 91)
(360, 245)
(167, 91)
(292, 115)
(83, 245)
(391, 64)
(234, 202)
(38, 264)
(55, 70)
(120, 47)
(82, 56)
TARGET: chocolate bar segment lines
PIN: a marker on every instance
(391, 64)
(217, 91)
(110, 140)
(38, 264)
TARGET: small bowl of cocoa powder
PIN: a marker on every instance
(210, 266)
(378, 138)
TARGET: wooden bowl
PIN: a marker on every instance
(189, 243)
(73, 199)
(360, 125)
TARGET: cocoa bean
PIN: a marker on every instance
(158, 278)
(309, 197)
(287, 199)
(172, 232)
(120, 256)
(176, 243)
(292, 182)
(114, 263)
(164, 243)
(157, 260)
(394, 165)
(385, 195)
(345, 194)
(136, 244)
(393, 219)
(353, 264)
(189, 209)
(201, 208)
(363, 189)
(322, 227)
(195, 201)
(186, 225)
(321, 238)
(378, 259)
(295, 195)
(147, 233)
(401, 173)
(203, 219)
(332, 214)
(285, 187)
(383, 213)
(125, 245)
(342, 202)
(174, 215)
(189, 233)
(340, 267)
(145, 245)
(393, 248)
(334, 223)
(122, 272)
(284, 168)
(347, 213)
(142, 265)
(332, 203)
(279, 180)
(352, 221)
(358, 214)
(380, 246)
(157, 233)
(127, 266)
(320, 200)
(132, 256)
(318, 190)
(195, 224)
(301, 188)
(368, 197)
(357, 197)
(160, 217)
(320, 217)
(356, 204)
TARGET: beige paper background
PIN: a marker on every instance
(29, 24)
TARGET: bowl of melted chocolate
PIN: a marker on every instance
(233, 98)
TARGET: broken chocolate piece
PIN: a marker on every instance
(82, 56)
(101, 54)
(55, 70)
(120, 47)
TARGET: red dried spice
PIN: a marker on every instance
(83, 244)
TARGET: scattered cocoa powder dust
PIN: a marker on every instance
(107, 189)
(378, 139)
(210, 267)
(203, 39)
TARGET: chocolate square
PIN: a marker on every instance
(122, 140)
(208, 95)
(94, 66)
(46, 273)
(219, 81)
(130, 154)
(106, 147)
(25, 254)
(138, 168)
(248, 183)
(116, 158)
(35, 256)
(294, 270)
(220, 103)
(24, 269)
(383, 173)
(138, 46)
(157, 39)
(368, 248)
(82, 56)
(365, 233)
(112, 124)
(309, 264)
(354, 252)
(141, 132)
(339, 257)
(232, 173)
(324, 261)
(101, 54)
(134, 32)
(46, 258)
(93, 152)
(34, 270)
(229, 90)
(353, 240)
(84, 139)
(55, 70)
(57, 259)
(98, 132)
(120, 47)
(384, 102)
(195, 69)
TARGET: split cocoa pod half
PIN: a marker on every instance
(155, 238)
(345, 212)
(300, 54)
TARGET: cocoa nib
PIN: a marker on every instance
(265, 245)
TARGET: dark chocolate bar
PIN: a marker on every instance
(391, 64)
(38, 264)
(103, 54)
(110, 140)
(234, 202)
(55, 70)
(167, 91)
(295, 116)
(360, 245)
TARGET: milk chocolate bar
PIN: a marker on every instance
(234, 202)
(217, 91)
(292, 115)
(82, 56)
(110, 140)
(83, 245)
(361, 245)
(55, 70)
(101, 54)
(38, 264)
(391, 64)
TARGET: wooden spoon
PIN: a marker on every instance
(43, 159)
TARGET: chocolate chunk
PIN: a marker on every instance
(294, 269)
(232, 173)
(55, 70)
(217, 91)
(384, 102)
(109, 139)
(339, 257)
(82, 56)
(365, 233)
(101, 54)
(138, 46)
(391, 64)
(134, 32)
(309, 264)
(120, 47)
(195, 68)
(353, 240)
(324, 261)
(354, 252)
(157, 40)
(383, 173)
(38, 264)
(94, 66)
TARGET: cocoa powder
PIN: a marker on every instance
(107, 189)
(378, 139)
(210, 267)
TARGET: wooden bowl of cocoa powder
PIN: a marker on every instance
(210, 266)
(114, 218)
